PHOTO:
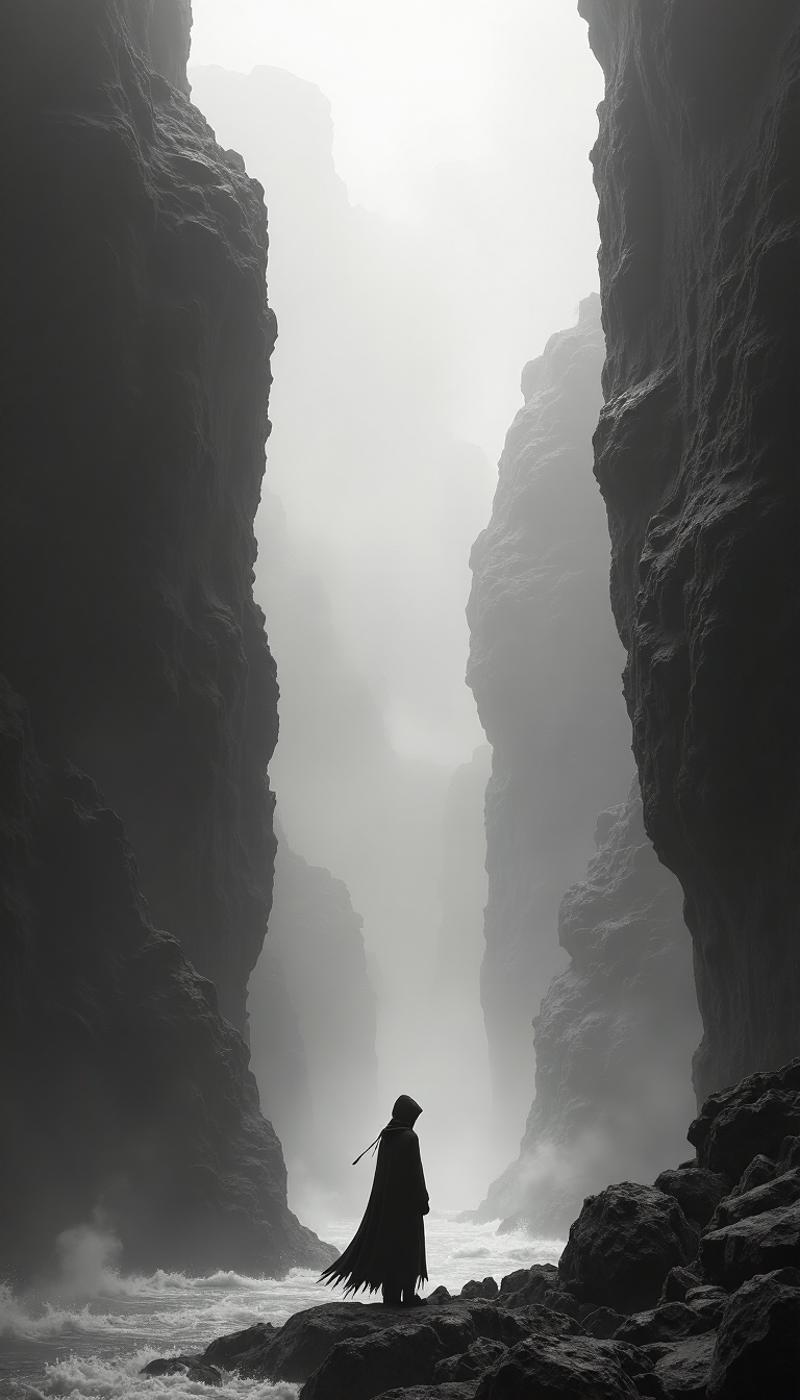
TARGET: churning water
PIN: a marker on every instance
(88, 1335)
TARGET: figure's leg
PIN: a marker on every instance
(411, 1298)
(391, 1293)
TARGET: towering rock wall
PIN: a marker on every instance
(133, 420)
(613, 1038)
(544, 667)
(696, 168)
(313, 1028)
(127, 1099)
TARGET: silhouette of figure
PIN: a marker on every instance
(388, 1248)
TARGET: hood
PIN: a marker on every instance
(405, 1112)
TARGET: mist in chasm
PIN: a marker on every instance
(432, 221)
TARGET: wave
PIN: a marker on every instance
(100, 1378)
(18, 1319)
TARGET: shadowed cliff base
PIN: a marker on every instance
(126, 1098)
(696, 169)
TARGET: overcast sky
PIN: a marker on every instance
(485, 106)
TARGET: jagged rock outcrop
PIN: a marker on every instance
(544, 667)
(613, 1038)
(132, 430)
(313, 1027)
(548, 1331)
(134, 424)
(699, 192)
(127, 1099)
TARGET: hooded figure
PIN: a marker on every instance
(388, 1249)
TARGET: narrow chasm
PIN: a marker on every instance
(366, 1034)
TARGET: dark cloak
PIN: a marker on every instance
(388, 1248)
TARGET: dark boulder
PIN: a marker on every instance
(194, 1368)
(709, 1303)
(758, 1244)
(529, 1285)
(404, 1355)
(780, 1191)
(670, 1322)
(623, 1243)
(602, 1323)
(754, 1116)
(471, 1363)
(759, 1170)
(758, 1347)
(682, 1368)
(439, 1295)
(484, 1288)
(581, 1369)
(697, 1191)
(677, 1284)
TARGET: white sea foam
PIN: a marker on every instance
(98, 1378)
(86, 1333)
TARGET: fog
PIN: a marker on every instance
(432, 221)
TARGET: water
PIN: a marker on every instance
(88, 1336)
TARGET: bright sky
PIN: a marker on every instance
(423, 83)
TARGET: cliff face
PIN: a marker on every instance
(544, 667)
(126, 1097)
(313, 1028)
(700, 220)
(133, 424)
(614, 1036)
(134, 428)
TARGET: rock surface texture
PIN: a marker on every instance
(133, 421)
(630, 1312)
(696, 170)
(544, 668)
(139, 318)
(127, 1099)
(613, 1038)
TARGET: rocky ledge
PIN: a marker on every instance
(688, 1289)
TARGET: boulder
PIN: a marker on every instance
(670, 1322)
(682, 1368)
(580, 1369)
(362, 1368)
(602, 1323)
(194, 1368)
(541, 1276)
(782, 1190)
(759, 1170)
(697, 1191)
(623, 1243)
(758, 1347)
(439, 1295)
(485, 1288)
(755, 1116)
(470, 1364)
(677, 1284)
(709, 1303)
(756, 1245)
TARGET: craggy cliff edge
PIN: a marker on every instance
(696, 169)
(133, 425)
(613, 1038)
(135, 416)
(544, 668)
